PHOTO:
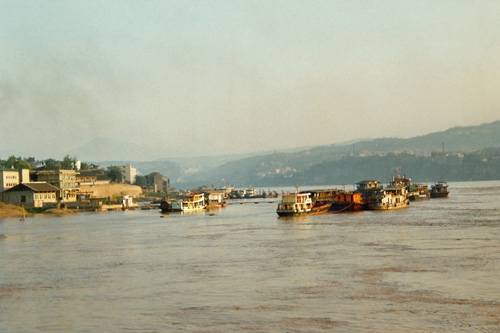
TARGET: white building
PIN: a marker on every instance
(128, 173)
(12, 177)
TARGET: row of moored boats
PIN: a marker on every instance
(369, 195)
(193, 202)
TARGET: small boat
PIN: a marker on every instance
(300, 204)
(415, 192)
(440, 190)
(166, 205)
(391, 197)
(214, 199)
(418, 192)
(190, 203)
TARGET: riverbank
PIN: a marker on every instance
(12, 211)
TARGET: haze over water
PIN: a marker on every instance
(431, 267)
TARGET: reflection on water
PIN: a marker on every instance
(433, 266)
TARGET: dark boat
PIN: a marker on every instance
(440, 190)
(166, 206)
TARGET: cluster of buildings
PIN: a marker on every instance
(154, 182)
(66, 188)
(39, 188)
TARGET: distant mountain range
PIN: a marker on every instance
(347, 163)
(457, 139)
(283, 167)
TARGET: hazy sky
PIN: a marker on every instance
(211, 77)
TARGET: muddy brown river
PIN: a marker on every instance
(434, 266)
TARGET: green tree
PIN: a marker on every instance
(114, 173)
(84, 166)
(51, 164)
(17, 163)
(140, 181)
(20, 164)
(68, 163)
(10, 161)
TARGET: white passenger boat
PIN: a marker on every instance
(391, 197)
(190, 203)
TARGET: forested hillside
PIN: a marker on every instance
(475, 155)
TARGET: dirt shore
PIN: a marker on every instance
(58, 212)
(12, 211)
(8, 211)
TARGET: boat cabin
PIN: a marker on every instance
(348, 197)
(298, 202)
(323, 196)
(368, 185)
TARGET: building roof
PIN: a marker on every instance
(58, 171)
(34, 186)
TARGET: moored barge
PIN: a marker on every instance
(440, 190)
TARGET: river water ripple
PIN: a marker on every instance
(432, 267)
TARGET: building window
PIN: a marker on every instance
(23, 198)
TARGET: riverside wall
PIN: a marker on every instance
(110, 190)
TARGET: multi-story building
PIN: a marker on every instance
(65, 180)
(12, 177)
(8, 178)
(156, 182)
(128, 173)
(92, 177)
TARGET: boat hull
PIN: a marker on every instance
(419, 197)
(320, 209)
(440, 190)
(440, 194)
(316, 210)
(166, 206)
(289, 213)
(385, 206)
(346, 206)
